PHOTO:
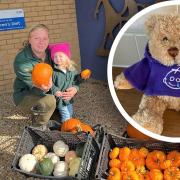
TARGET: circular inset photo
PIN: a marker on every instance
(144, 71)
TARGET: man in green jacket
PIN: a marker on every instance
(26, 96)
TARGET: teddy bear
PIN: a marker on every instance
(157, 75)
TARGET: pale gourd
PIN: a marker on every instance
(69, 156)
(60, 148)
(27, 162)
(61, 169)
(74, 166)
(54, 158)
(39, 151)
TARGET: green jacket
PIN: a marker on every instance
(62, 81)
(23, 65)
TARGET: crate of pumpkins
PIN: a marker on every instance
(56, 155)
(126, 158)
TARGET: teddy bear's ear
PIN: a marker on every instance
(150, 23)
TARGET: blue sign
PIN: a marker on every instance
(12, 19)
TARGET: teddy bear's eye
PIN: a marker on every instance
(165, 39)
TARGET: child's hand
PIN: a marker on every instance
(69, 93)
(58, 94)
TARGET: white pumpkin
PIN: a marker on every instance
(27, 162)
(60, 148)
(54, 158)
(39, 151)
(61, 169)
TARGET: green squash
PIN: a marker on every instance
(45, 167)
(80, 149)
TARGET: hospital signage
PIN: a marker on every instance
(12, 19)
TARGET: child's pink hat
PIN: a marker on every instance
(60, 47)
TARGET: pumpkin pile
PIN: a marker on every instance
(140, 164)
(61, 162)
(75, 125)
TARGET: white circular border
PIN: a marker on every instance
(109, 71)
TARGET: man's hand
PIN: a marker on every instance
(46, 88)
(69, 94)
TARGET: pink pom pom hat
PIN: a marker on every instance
(60, 47)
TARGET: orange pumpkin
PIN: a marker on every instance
(165, 164)
(141, 170)
(115, 163)
(41, 74)
(156, 174)
(71, 125)
(154, 159)
(135, 157)
(141, 176)
(87, 128)
(143, 152)
(124, 153)
(114, 174)
(134, 133)
(172, 173)
(146, 176)
(174, 156)
(114, 153)
(85, 74)
(127, 166)
(131, 175)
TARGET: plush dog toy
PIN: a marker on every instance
(157, 75)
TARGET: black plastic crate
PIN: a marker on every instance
(32, 137)
(110, 141)
(98, 129)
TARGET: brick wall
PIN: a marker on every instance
(58, 15)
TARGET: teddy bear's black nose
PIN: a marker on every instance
(173, 51)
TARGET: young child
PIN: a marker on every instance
(65, 79)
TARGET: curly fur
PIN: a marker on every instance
(159, 27)
(164, 34)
